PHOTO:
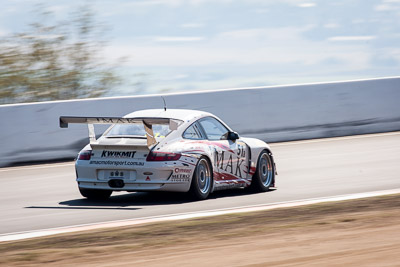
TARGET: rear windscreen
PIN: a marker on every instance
(137, 130)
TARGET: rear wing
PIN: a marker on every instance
(147, 123)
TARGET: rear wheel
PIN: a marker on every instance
(265, 173)
(95, 194)
(202, 180)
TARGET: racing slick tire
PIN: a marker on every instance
(95, 194)
(202, 180)
(264, 176)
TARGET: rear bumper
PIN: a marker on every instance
(151, 176)
(137, 186)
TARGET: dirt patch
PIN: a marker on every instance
(361, 232)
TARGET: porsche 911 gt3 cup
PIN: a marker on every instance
(169, 150)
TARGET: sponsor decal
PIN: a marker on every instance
(116, 163)
(229, 166)
(231, 163)
(118, 154)
(180, 177)
(116, 120)
(180, 170)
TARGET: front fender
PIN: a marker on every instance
(256, 147)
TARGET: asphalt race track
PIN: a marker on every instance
(46, 196)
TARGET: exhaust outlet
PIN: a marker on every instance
(116, 183)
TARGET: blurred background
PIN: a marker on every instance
(66, 50)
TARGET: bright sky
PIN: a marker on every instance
(179, 45)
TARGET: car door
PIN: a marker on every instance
(230, 156)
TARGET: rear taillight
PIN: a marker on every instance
(163, 156)
(85, 155)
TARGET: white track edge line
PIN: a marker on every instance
(189, 215)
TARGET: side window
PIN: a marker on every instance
(214, 129)
(192, 133)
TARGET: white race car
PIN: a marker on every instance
(169, 150)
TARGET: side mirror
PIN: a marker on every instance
(233, 136)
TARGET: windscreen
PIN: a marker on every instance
(137, 130)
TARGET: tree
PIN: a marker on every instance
(54, 61)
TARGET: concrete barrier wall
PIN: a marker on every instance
(30, 132)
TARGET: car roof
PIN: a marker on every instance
(180, 114)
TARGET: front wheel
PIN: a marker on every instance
(202, 180)
(95, 194)
(265, 173)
